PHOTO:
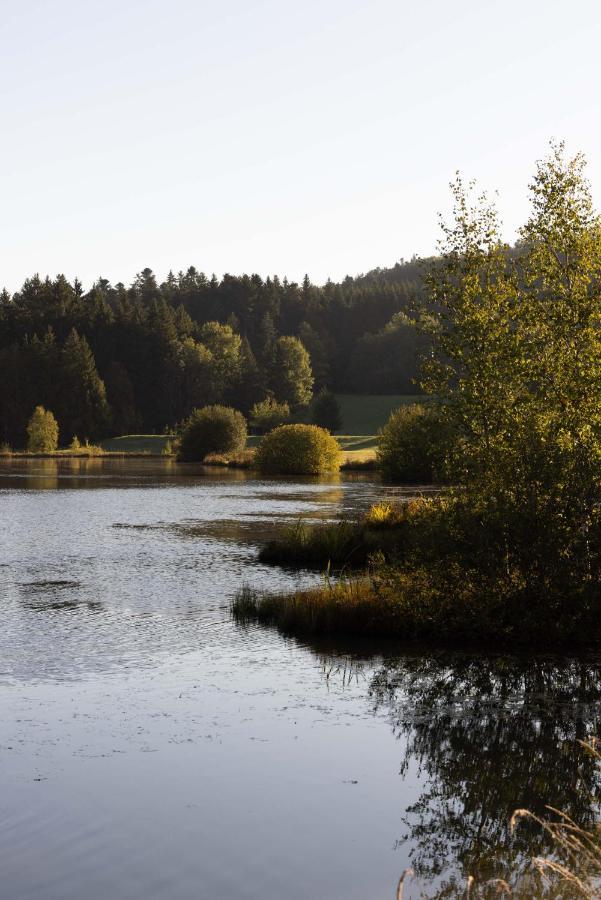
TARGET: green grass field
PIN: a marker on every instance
(365, 414)
(362, 417)
(136, 443)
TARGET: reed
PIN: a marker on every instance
(349, 606)
(335, 544)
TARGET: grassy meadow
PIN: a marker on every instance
(362, 417)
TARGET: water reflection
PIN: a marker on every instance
(116, 641)
(50, 474)
(485, 736)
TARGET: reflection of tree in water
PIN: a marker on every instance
(488, 736)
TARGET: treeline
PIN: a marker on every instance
(119, 359)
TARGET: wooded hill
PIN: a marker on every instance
(116, 359)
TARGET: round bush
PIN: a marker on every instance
(413, 445)
(298, 450)
(212, 429)
(42, 431)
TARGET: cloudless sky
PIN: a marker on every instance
(276, 136)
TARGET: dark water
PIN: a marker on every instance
(149, 748)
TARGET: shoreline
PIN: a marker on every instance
(347, 466)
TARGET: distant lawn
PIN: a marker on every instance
(350, 442)
(362, 417)
(367, 413)
(136, 443)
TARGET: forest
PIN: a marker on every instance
(117, 360)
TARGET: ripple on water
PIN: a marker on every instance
(95, 580)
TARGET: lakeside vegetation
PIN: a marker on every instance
(139, 359)
(512, 553)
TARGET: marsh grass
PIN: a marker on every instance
(443, 605)
(346, 544)
(336, 544)
(349, 606)
(427, 570)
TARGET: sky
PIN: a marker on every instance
(279, 137)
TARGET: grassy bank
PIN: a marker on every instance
(348, 607)
(336, 545)
(91, 452)
(416, 608)
(423, 572)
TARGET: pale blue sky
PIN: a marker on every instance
(279, 137)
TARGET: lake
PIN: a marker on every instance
(151, 748)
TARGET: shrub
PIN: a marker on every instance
(298, 450)
(413, 445)
(326, 411)
(268, 414)
(42, 431)
(212, 429)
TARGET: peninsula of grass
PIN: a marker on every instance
(343, 545)
(422, 606)
(420, 572)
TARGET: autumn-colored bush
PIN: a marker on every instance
(298, 450)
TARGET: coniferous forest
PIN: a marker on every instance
(116, 359)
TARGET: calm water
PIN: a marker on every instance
(150, 748)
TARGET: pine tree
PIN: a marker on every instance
(83, 405)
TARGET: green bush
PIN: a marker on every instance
(212, 429)
(298, 450)
(326, 411)
(413, 445)
(42, 431)
(268, 414)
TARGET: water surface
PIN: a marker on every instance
(151, 748)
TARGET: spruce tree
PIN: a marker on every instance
(83, 405)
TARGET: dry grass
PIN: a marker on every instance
(359, 459)
(244, 459)
(350, 606)
(572, 872)
(575, 868)
(86, 451)
(332, 544)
